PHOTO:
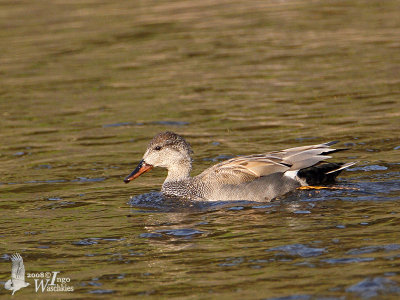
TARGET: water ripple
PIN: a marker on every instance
(85, 242)
(101, 291)
(372, 287)
(291, 297)
(231, 262)
(181, 232)
(299, 249)
(347, 260)
(371, 249)
(168, 123)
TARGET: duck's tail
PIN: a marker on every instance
(323, 173)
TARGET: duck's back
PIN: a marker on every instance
(260, 177)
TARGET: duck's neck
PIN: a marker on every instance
(179, 172)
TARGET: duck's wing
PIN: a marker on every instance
(242, 169)
(303, 157)
(246, 168)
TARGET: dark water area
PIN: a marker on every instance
(84, 87)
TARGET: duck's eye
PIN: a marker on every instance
(158, 148)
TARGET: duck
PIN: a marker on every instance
(256, 177)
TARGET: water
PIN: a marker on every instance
(85, 86)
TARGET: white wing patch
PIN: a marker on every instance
(292, 174)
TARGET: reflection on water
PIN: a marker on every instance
(86, 85)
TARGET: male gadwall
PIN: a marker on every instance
(257, 177)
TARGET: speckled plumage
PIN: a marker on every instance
(257, 177)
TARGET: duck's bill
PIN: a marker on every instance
(140, 169)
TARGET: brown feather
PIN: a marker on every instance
(246, 168)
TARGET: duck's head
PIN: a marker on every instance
(167, 150)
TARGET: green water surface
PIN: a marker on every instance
(85, 85)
